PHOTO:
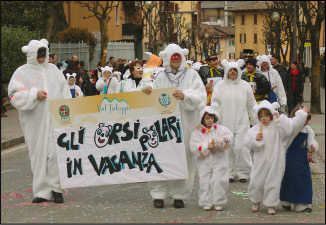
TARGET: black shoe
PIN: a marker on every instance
(178, 203)
(39, 200)
(57, 197)
(231, 180)
(158, 203)
(243, 180)
(308, 210)
(287, 208)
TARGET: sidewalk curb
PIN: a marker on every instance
(12, 142)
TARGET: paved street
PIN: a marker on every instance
(131, 203)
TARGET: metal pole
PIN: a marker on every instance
(294, 56)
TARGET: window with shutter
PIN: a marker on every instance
(255, 38)
(255, 19)
(242, 19)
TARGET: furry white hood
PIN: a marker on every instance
(107, 68)
(68, 75)
(272, 107)
(228, 65)
(31, 51)
(209, 109)
(264, 58)
(196, 66)
(169, 51)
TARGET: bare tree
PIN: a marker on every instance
(303, 29)
(314, 12)
(101, 11)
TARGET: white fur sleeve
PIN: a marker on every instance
(195, 95)
(115, 85)
(285, 126)
(81, 94)
(198, 146)
(311, 138)
(100, 84)
(225, 136)
(298, 121)
(251, 102)
(65, 91)
(21, 97)
(280, 91)
(250, 140)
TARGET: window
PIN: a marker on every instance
(242, 38)
(255, 18)
(231, 43)
(255, 38)
(117, 20)
(231, 55)
(242, 19)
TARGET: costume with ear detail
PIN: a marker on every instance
(268, 170)
(235, 101)
(74, 89)
(212, 166)
(189, 82)
(109, 86)
(35, 117)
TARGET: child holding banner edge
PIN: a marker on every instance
(209, 142)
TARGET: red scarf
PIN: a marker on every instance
(294, 74)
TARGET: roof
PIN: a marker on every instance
(251, 6)
(220, 4)
(219, 29)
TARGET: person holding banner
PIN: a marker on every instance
(190, 93)
(236, 100)
(30, 89)
(135, 81)
(108, 84)
(75, 90)
(209, 142)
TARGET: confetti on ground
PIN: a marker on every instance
(322, 206)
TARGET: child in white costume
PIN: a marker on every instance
(75, 90)
(209, 142)
(296, 188)
(266, 140)
(107, 84)
(236, 101)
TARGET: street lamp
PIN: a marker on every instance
(206, 36)
(276, 19)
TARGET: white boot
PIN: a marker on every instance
(255, 207)
(271, 211)
(218, 208)
(207, 208)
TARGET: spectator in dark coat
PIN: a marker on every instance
(276, 65)
(293, 86)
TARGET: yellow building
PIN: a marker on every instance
(249, 28)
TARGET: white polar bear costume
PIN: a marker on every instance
(74, 86)
(35, 117)
(269, 155)
(236, 100)
(111, 85)
(212, 166)
(274, 78)
(189, 82)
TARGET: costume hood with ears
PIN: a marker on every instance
(169, 51)
(264, 58)
(107, 68)
(272, 107)
(118, 74)
(196, 66)
(32, 48)
(228, 65)
(209, 109)
(68, 75)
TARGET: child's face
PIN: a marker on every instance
(264, 119)
(71, 81)
(209, 120)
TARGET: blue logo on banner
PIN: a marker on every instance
(164, 100)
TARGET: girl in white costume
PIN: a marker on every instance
(209, 142)
(190, 93)
(235, 100)
(266, 140)
(75, 90)
(107, 84)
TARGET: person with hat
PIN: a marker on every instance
(190, 94)
(30, 88)
(258, 82)
(210, 75)
(107, 84)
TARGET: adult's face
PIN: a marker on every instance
(213, 62)
(74, 58)
(293, 66)
(264, 66)
(250, 68)
(138, 71)
(273, 61)
(41, 60)
(233, 74)
(112, 60)
(175, 61)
